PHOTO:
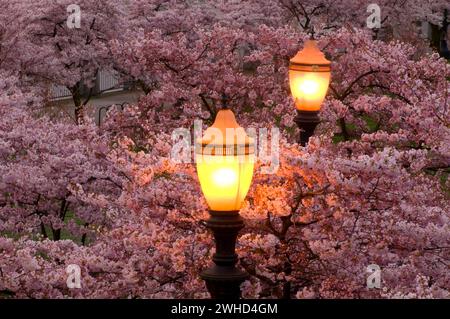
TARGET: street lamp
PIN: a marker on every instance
(309, 78)
(225, 159)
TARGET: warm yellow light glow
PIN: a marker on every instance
(224, 177)
(224, 180)
(309, 89)
(309, 77)
(309, 86)
(226, 170)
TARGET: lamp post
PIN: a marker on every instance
(225, 160)
(309, 78)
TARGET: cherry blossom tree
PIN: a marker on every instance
(44, 47)
(42, 164)
(371, 187)
(374, 125)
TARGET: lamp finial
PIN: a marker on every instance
(311, 37)
(225, 100)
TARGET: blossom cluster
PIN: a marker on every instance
(371, 187)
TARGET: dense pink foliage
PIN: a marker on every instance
(372, 186)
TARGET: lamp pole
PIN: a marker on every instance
(224, 279)
(306, 122)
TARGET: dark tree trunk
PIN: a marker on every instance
(439, 37)
(77, 101)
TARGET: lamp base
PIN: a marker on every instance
(223, 279)
(306, 122)
(224, 282)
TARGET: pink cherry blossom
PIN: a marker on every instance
(371, 187)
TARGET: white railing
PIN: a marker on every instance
(425, 30)
(58, 91)
(107, 80)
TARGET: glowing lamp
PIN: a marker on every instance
(309, 78)
(225, 159)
